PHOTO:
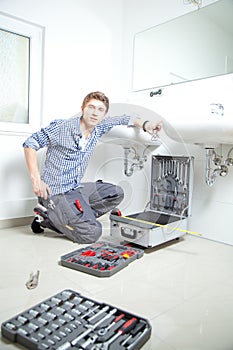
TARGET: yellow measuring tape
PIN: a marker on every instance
(164, 226)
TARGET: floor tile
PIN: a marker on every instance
(184, 288)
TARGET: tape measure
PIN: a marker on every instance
(164, 226)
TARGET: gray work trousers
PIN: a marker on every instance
(79, 223)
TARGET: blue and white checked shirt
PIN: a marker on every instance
(66, 161)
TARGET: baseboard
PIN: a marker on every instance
(7, 223)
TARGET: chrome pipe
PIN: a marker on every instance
(209, 172)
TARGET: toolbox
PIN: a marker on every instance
(170, 205)
(101, 259)
(69, 321)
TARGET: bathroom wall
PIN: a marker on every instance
(212, 207)
(89, 46)
(82, 53)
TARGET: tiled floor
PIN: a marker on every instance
(185, 288)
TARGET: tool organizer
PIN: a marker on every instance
(69, 321)
(101, 259)
(170, 204)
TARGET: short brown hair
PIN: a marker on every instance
(97, 95)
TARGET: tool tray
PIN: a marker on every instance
(69, 321)
(101, 259)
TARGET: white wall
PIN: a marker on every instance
(84, 52)
(212, 207)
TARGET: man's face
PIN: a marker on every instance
(93, 113)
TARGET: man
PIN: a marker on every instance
(66, 205)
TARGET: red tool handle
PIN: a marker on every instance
(78, 205)
(127, 326)
(118, 318)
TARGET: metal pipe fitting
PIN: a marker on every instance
(209, 172)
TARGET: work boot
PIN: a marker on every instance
(41, 215)
(35, 226)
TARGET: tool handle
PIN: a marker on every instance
(78, 205)
(128, 326)
(118, 318)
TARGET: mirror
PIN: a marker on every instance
(194, 46)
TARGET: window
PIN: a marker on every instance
(21, 64)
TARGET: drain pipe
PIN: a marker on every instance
(209, 172)
(128, 172)
(137, 164)
(221, 170)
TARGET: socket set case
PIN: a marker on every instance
(170, 205)
(101, 259)
(69, 321)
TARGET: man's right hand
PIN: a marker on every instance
(41, 189)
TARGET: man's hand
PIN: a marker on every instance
(40, 188)
(150, 126)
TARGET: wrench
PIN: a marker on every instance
(177, 171)
(155, 136)
(89, 341)
(103, 331)
(160, 171)
(181, 173)
(33, 280)
(185, 177)
(67, 345)
(126, 328)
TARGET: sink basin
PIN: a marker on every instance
(200, 126)
(191, 124)
(130, 136)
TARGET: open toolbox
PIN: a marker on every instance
(170, 205)
(101, 259)
(69, 321)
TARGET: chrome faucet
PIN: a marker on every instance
(217, 108)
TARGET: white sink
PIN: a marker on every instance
(200, 126)
(191, 124)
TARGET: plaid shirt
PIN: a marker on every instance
(66, 161)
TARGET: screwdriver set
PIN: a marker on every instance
(69, 321)
(101, 259)
(170, 204)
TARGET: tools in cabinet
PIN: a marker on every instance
(170, 184)
(69, 321)
(170, 205)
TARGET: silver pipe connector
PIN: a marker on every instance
(210, 174)
(137, 164)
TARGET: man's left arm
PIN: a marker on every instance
(131, 121)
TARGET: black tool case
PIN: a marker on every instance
(101, 259)
(170, 204)
(69, 321)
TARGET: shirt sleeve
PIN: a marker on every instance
(44, 137)
(109, 122)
